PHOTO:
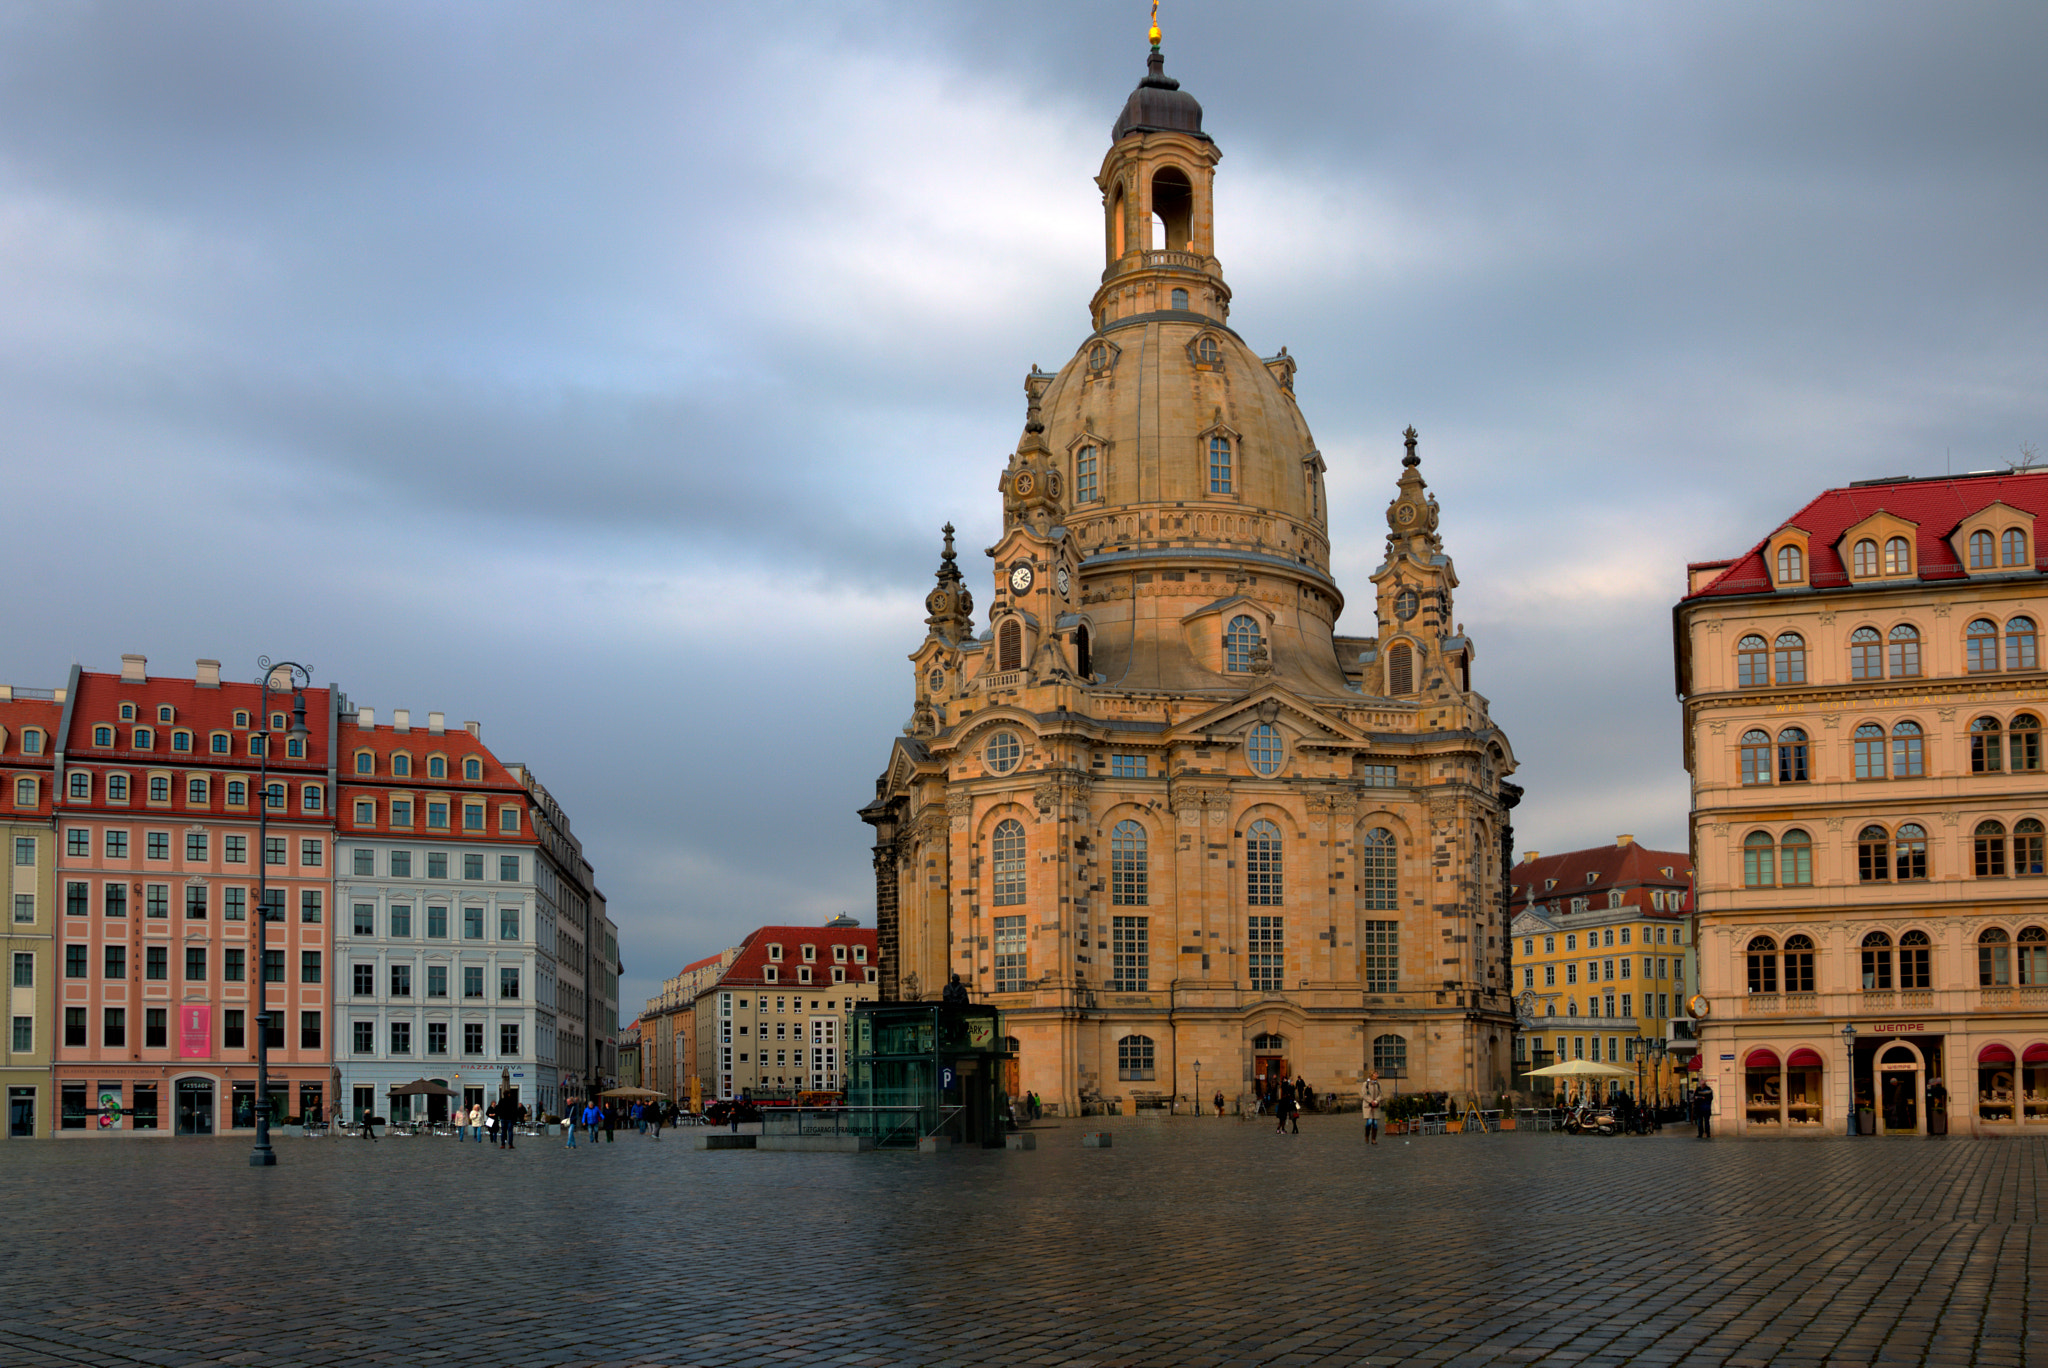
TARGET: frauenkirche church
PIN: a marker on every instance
(1161, 811)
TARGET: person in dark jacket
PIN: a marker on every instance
(1703, 1110)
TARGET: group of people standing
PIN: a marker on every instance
(609, 1116)
(503, 1118)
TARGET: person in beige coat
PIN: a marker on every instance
(1374, 1099)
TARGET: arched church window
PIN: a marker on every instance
(1134, 1056)
(1400, 669)
(1083, 657)
(1240, 639)
(1262, 882)
(1219, 465)
(1006, 864)
(1086, 486)
(1378, 871)
(1127, 861)
(1010, 646)
(1180, 299)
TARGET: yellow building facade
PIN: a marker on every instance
(1863, 701)
(1603, 960)
(1161, 810)
(29, 726)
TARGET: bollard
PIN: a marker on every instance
(935, 1144)
(1095, 1140)
(1020, 1141)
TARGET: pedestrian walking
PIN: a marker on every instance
(1374, 1097)
(660, 1110)
(569, 1125)
(508, 1124)
(611, 1122)
(590, 1119)
(1703, 1111)
(1283, 1102)
(1219, 1104)
(476, 1122)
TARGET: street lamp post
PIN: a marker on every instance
(1198, 1087)
(298, 678)
(1849, 1076)
(1641, 1045)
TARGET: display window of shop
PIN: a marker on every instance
(1763, 1090)
(1803, 1093)
(2034, 1083)
(1996, 1070)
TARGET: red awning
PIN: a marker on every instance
(1693, 1065)
(1760, 1058)
(1995, 1054)
(2037, 1053)
(1804, 1059)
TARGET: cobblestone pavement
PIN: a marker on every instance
(1188, 1243)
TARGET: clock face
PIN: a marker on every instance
(1025, 484)
(1698, 1006)
(1064, 580)
(1020, 576)
(1406, 513)
(1405, 604)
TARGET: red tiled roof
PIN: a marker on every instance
(1629, 868)
(201, 710)
(16, 715)
(384, 741)
(1937, 506)
(745, 970)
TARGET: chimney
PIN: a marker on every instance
(366, 718)
(1624, 839)
(401, 719)
(437, 723)
(206, 673)
(1529, 856)
(475, 729)
(134, 669)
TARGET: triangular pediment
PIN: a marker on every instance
(1271, 704)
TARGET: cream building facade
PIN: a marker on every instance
(30, 721)
(1162, 812)
(1863, 701)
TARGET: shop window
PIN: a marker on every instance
(1763, 1091)
(1995, 1070)
(1803, 1089)
(2034, 1079)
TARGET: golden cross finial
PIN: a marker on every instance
(1155, 23)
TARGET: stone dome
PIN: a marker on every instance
(1154, 395)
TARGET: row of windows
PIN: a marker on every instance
(1782, 661)
(2008, 550)
(156, 845)
(1595, 938)
(1995, 748)
(218, 743)
(363, 1037)
(1898, 855)
(1914, 962)
(156, 901)
(1129, 866)
(400, 864)
(1130, 954)
(398, 922)
(117, 788)
(1654, 1005)
(156, 964)
(402, 766)
(770, 973)
(156, 1029)
(1654, 967)
(363, 980)
(165, 713)
(401, 812)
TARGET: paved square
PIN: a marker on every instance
(1189, 1242)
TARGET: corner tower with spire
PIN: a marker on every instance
(1160, 809)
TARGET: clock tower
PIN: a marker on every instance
(1163, 808)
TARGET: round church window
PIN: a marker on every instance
(1003, 753)
(1207, 350)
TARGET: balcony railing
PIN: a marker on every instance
(1006, 679)
(1159, 259)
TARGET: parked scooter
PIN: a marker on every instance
(1586, 1119)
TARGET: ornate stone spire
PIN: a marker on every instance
(1413, 513)
(950, 605)
(1033, 489)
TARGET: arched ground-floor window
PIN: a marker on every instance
(1996, 1074)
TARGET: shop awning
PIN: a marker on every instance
(1995, 1054)
(1760, 1058)
(1804, 1059)
(1693, 1065)
(2036, 1054)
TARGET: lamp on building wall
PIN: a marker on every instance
(298, 678)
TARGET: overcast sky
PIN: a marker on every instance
(604, 372)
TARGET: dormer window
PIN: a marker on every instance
(1898, 556)
(181, 741)
(2013, 546)
(145, 739)
(277, 721)
(775, 952)
(127, 712)
(242, 719)
(770, 974)
(860, 954)
(1207, 352)
(810, 953)
(1592, 878)
(1240, 643)
(295, 747)
(365, 763)
(163, 712)
(437, 767)
(1087, 476)
(1983, 555)
(472, 769)
(218, 743)
(1791, 566)
(839, 953)
(401, 765)
(32, 742)
(1863, 562)
(1219, 464)
(103, 736)
(1549, 884)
